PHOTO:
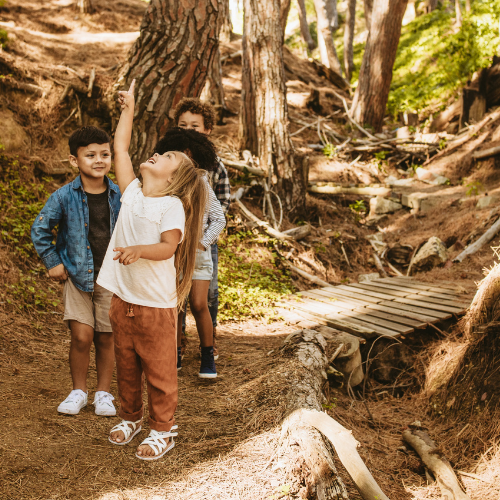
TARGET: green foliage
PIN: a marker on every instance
(434, 59)
(4, 37)
(29, 294)
(474, 188)
(20, 202)
(330, 150)
(248, 288)
(359, 206)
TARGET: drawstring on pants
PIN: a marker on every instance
(130, 312)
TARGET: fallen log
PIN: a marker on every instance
(486, 153)
(434, 460)
(485, 238)
(326, 188)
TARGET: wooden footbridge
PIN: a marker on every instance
(382, 307)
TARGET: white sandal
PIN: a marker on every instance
(160, 442)
(129, 433)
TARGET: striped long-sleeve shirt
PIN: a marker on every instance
(213, 219)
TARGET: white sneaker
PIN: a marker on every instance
(72, 405)
(103, 402)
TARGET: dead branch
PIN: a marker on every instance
(27, 87)
(310, 277)
(243, 167)
(378, 264)
(310, 125)
(331, 188)
(91, 82)
(434, 460)
(298, 233)
(485, 238)
(357, 125)
(486, 153)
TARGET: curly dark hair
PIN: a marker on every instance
(195, 144)
(84, 136)
(196, 107)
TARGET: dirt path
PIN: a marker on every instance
(47, 456)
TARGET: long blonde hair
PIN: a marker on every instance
(190, 187)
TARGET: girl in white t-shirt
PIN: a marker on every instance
(160, 220)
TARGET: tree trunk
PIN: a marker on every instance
(304, 26)
(170, 60)
(467, 6)
(375, 76)
(350, 20)
(368, 8)
(432, 5)
(264, 111)
(326, 12)
(284, 11)
(84, 6)
(458, 13)
(214, 90)
(226, 26)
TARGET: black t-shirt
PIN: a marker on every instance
(99, 227)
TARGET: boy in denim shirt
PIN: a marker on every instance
(85, 211)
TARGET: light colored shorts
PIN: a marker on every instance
(204, 266)
(89, 308)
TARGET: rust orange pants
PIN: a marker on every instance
(145, 343)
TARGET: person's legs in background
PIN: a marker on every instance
(213, 295)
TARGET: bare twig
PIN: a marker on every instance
(359, 127)
(91, 82)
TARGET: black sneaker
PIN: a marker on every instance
(179, 358)
(207, 368)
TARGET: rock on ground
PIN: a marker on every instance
(432, 253)
(380, 205)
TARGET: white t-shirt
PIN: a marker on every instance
(141, 221)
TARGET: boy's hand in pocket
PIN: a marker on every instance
(58, 273)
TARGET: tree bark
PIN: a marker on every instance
(226, 26)
(264, 111)
(304, 26)
(368, 8)
(84, 6)
(467, 5)
(432, 5)
(350, 20)
(170, 60)
(375, 76)
(326, 12)
(458, 13)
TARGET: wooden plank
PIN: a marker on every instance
(361, 331)
(428, 305)
(422, 319)
(438, 301)
(339, 296)
(319, 307)
(409, 283)
(375, 288)
(376, 328)
(437, 295)
(360, 316)
(388, 313)
(440, 315)
(356, 296)
(387, 285)
(351, 289)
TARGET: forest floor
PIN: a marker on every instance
(49, 456)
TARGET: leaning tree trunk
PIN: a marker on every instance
(304, 26)
(350, 20)
(84, 6)
(375, 76)
(368, 8)
(326, 12)
(264, 110)
(170, 60)
(284, 11)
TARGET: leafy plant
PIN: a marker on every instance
(359, 206)
(330, 150)
(474, 188)
(29, 293)
(249, 288)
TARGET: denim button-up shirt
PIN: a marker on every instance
(68, 208)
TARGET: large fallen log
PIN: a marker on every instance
(330, 188)
(486, 153)
(477, 245)
(434, 460)
(306, 418)
(243, 167)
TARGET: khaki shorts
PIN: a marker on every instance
(89, 308)
(204, 266)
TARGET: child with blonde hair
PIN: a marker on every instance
(154, 242)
